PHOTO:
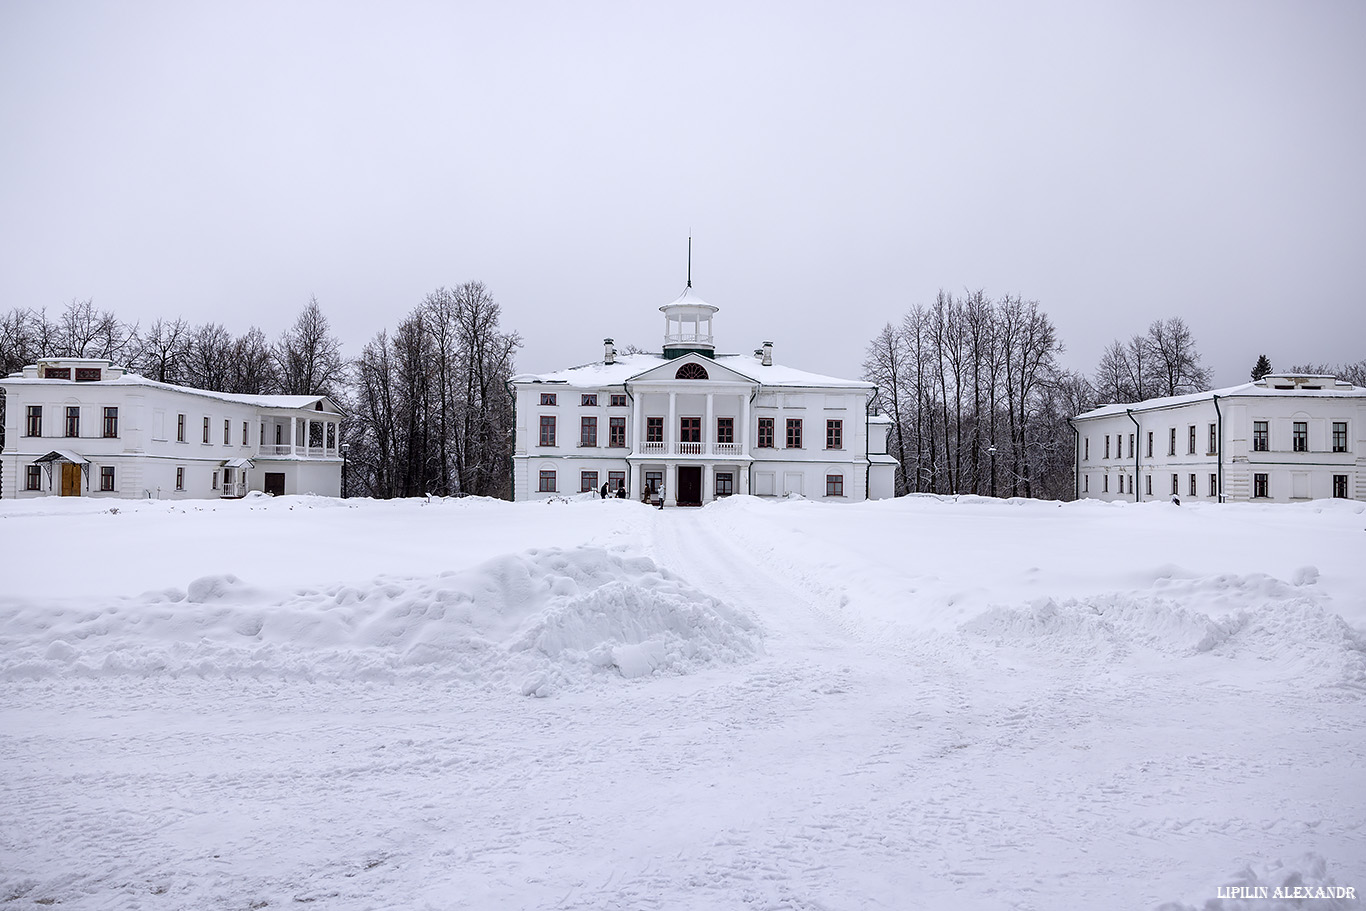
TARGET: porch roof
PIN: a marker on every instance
(64, 455)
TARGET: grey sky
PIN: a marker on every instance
(836, 164)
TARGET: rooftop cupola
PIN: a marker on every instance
(687, 321)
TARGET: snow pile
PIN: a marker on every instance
(536, 621)
(1302, 885)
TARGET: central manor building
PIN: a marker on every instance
(699, 424)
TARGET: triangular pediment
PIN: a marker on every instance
(668, 372)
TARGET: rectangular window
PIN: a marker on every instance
(725, 483)
(1214, 485)
(654, 430)
(616, 480)
(1150, 444)
(834, 485)
(227, 431)
(1086, 448)
(588, 431)
(689, 430)
(1194, 493)
(725, 430)
(1148, 484)
(794, 433)
(588, 400)
(213, 483)
(244, 433)
(1301, 436)
(1261, 437)
(765, 440)
(616, 432)
(547, 482)
(653, 481)
(1171, 443)
(34, 424)
(1131, 445)
(548, 398)
(1213, 439)
(1190, 441)
(834, 434)
(618, 400)
(1107, 446)
(1339, 436)
(1260, 488)
(1339, 486)
(1176, 484)
(180, 428)
(1105, 483)
(111, 423)
(588, 481)
(1086, 484)
(33, 477)
(88, 374)
(56, 373)
(547, 430)
(206, 430)
(73, 420)
(179, 478)
(107, 477)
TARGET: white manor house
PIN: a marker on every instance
(697, 424)
(77, 427)
(1282, 438)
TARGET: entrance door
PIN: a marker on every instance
(71, 479)
(689, 485)
(274, 483)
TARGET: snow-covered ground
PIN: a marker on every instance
(926, 703)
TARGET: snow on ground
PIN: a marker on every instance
(592, 704)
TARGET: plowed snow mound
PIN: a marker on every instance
(535, 621)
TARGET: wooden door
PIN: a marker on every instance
(71, 479)
(274, 483)
(689, 485)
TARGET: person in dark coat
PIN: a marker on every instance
(603, 492)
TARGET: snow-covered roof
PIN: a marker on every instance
(689, 298)
(598, 374)
(133, 379)
(1259, 389)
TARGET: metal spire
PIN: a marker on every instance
(690, 260)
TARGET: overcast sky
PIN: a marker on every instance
(836, 164)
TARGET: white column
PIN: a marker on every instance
(671, 484)
(709, 428)
(638, 438)
(293, 434)
(671, 430)
(744, 426)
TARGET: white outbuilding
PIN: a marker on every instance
(1279, 439)
(697, 424)
(83, 427)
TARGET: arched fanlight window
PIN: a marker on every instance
(691, 371)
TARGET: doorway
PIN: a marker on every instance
(274, 483)
(71, 479)
(689, 485)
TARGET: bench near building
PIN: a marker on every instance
(699, 424)
(1278, 439)
(82, 427)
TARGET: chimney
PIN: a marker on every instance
(609, 352)
(768, 355)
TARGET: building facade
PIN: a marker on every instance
(81, 427)
(697, 424)
(1279, 439)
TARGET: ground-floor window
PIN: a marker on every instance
(547, 482)
(654, 480)
(725, 483)
(1260, 488)
(33, 477)
(107, 477)
(214, 482)
(1214, 485)
(1193, 492)
(180, 477)
(1339, 486)
(834, 485)
(1176, 484)
(1148, 485)
(1086, 483)
(588, 480)
(1105, 483)
(616, 480)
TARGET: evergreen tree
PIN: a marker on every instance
(1262, 368)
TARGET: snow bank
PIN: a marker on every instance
(1301, 885)
(536, 621)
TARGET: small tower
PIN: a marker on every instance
(687, 322)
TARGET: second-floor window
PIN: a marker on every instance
(547, 398)
(834, 434)
(589, 400)
(1087, 444)
(1131, 445)
(616, 432)
(111, 423)
(206, 430)
(725, 430)
(244, 433)
(1301, 436)
(690, 430)
(618, 400)
(547, 430)
(73, 420)
(1213, 438)
(654, 430)
(227, 431)
(588, 431)
(1339, 436)
(794, 433)
(765, 440)
(1190, 441)
(34, 424)
(1171, 445)
(1261, 436)
(180, 428)
(1150, 444)
(1107, 446)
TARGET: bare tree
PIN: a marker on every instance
(1177, 366)
(308, 357)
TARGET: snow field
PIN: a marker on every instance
(924, 703)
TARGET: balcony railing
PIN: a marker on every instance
(689, 449)
(307, 452)
(235, 489)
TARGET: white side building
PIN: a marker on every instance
(82, 427)
(1279, 439)
(700, 424)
